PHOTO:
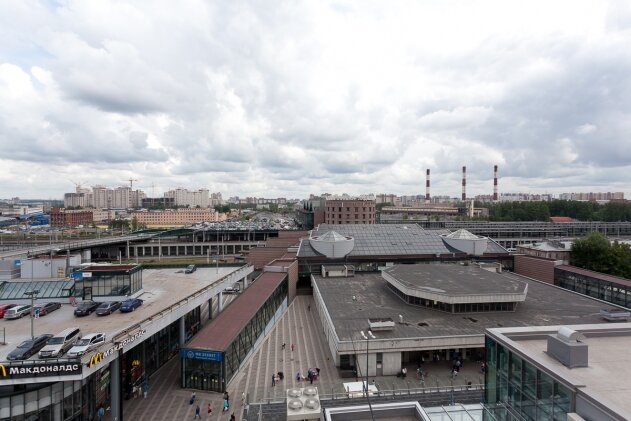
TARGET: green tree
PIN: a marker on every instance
(591, 252)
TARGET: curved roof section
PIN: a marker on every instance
(331, 236)
(454, 284)
(332, 244)
(462, 234)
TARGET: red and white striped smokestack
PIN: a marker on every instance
(427, 186)
(495, 183)
(464, 183)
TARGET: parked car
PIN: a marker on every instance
(5, 307)
(86, 344)
(60, 343)
(28, 348)
(85, 308)
(235, 289)
(107, 308)
(190, 269)
(17, 312)
(122, 290)
(130, 305)
(44, 309)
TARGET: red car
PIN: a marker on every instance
(5, 307)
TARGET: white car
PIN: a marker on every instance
(86, 344)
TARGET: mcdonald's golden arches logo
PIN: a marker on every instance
(95, 359)
(3, 370)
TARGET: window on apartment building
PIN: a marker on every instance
(356, 209)
(356, 216)
(340, 209)
(340, 216)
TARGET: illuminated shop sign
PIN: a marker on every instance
(201, 354)
(100, 356)
(44, 369)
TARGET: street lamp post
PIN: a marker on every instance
(367, 337)
(32, 293)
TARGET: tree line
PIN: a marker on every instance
(541, 211)
(595, 252)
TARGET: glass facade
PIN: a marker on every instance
(594, 287)
(453, 308)
(515, 389)
(108, 283)
(50, 401)
(47, 289)
(215, 375)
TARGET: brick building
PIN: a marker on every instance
(60, 217)
(182, 216)
(349, 211)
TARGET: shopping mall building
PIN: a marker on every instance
(175, 305)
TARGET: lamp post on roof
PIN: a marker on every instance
(32, 293)
(367, 336)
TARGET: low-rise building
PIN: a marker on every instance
(349, 210)
(183, 216)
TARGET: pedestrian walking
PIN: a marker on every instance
(309, 307)
(226, 405)
(192, 399)
(210, 409)
(100, 413)
(273, 380)
(283, 346)
(197, 413)
(145, 389)
(298, 376)
(292, 347)
(232, 417)
(310, 378)
(243, 398)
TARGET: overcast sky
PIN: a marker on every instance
(278, 98)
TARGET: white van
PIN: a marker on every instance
(60, 343)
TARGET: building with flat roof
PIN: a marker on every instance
(181, 216)
(573, 372)
(349, 210)
(136, 344)
(426, 312)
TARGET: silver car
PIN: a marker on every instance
(17, 312)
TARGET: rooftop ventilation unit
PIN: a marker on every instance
(381, 324)
(567, 347)
(303, 404)
(615, 314)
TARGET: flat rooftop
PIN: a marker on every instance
(351, 301)
(455, 279)
(607, 378)
(161, 289)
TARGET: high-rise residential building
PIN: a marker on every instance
(185, 197)
(102, 197)
(593, 196)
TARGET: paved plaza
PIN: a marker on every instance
(299, 326)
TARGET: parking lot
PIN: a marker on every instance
(161, 289)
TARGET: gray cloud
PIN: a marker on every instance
(262, 99)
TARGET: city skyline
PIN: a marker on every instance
(288, 99)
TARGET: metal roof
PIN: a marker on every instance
(220, 333)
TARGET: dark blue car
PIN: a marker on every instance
(130, 305)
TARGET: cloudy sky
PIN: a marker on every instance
(274, 98)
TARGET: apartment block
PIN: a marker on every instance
(182, 216)
(349, 211)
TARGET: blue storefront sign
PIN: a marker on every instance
(77, 275)
(200, 354)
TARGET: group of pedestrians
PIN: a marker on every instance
(225, 408)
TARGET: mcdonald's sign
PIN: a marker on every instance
(95, 359)
(3, 370)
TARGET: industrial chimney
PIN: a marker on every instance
(495, 183)
(464, 183)
(427, 198)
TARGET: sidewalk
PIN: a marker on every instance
(301, 327)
